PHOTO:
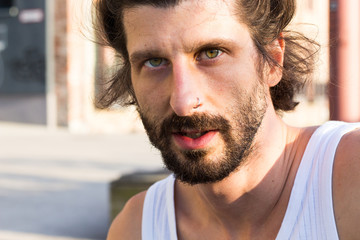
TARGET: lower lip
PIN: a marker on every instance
(194, 143)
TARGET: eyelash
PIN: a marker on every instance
(219, 52)
(163, 61)
(197, 57)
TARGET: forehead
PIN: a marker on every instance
(188, 21)
(176, 6)
(176, 14)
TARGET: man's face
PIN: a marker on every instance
(196, 50)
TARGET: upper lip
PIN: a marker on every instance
(193, 132)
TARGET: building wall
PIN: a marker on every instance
(61, 61)
(312, 18)
(71, 84)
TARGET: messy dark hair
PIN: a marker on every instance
(266, 20)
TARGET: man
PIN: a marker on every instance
(209, 79)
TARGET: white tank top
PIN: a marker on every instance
(310, 213)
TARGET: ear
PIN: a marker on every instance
(276, 50)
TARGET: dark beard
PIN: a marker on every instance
(195, 166)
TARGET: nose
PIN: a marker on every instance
(185, 97)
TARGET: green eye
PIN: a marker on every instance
(212, 53)
(155, 62)
(209, 54)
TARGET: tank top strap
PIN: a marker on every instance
(310, 213)
(158, 220)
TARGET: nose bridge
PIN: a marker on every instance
(185, 89)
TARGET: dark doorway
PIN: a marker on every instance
(22, 61)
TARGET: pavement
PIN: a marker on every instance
(54, 185)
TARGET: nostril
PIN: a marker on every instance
(198, 103)
(184, 105)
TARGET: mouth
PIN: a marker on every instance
(193, 140)
(192, 135)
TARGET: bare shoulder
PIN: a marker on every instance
(127, 225)
(346, 185)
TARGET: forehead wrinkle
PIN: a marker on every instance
(172, 10)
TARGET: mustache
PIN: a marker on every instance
(200, 122)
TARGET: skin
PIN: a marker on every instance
(251, 202)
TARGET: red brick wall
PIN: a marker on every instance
(60, 61)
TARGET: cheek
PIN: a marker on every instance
(150, 97)
(233, 77)
(140, 90)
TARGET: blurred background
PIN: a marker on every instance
(59, 153)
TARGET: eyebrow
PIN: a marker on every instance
(213, 43)
(141, 55)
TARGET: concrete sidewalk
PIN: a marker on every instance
(55, 185)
